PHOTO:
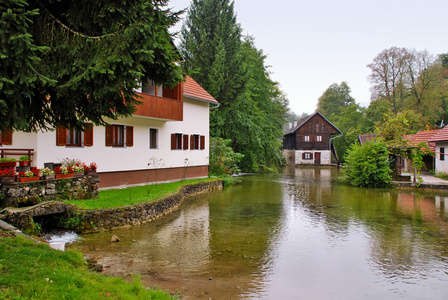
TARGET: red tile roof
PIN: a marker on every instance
(362, 138)
(442, 135)
(422, 136)
(193, 90)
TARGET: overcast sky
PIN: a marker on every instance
(313, 44)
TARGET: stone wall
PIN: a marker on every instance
(19, 194)
(127, 216)
(103, 219)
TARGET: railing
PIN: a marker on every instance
(159, 107)
(16, 152)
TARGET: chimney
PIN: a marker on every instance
(290, 125)
(295, 123)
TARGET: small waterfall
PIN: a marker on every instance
(57, 240)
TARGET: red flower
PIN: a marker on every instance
(93, 166)
(9, 172)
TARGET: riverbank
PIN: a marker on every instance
(426, 181)
(35, 271)
(31, 270)
(127, 211)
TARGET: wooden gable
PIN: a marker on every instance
(312, 132)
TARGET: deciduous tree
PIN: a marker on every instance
(389, 77)
(335, 99)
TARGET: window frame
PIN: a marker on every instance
(318, 138)
(306, 138)
(307, 155)
(119, 136)
(176, 141)
(6, 137)
(442, 153)
(195, 141)
(153, 137)
(64, 136)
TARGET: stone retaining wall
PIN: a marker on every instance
(106, 219)
(19, 194)
(127, 216)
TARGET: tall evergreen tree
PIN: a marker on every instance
(210, 46)
(259, 113)
(253, 109)
(67, 62)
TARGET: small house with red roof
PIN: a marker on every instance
(425, 137)
(308, 141)
(440, 143)
(166, 139)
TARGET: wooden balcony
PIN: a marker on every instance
(167, 107)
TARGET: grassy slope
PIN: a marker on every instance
(35, 271)
(133, 195)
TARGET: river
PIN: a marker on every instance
(295, 235)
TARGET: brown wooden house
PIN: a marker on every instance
(309, 141)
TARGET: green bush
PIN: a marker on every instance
(367, 165)
(223, 161)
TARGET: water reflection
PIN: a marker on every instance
(297, 235)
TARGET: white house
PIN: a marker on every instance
(166, 139)
(441, 147)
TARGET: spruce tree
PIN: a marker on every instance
(210, 46)
(68, 62)
(253, 109)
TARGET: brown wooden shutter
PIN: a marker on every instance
(109, 135)
(88, 135)
(192, 142)
(6, 138)
(185, 142)
(173, 141)
(202, 142)
(311, 155)
(61, 136)
(129, 136)
(303, 155)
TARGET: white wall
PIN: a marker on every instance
(325, 157)
(441, 165)
(196, 121)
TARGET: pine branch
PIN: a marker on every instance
(72, 30)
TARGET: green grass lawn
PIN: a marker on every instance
(35, 271)
(133, 195)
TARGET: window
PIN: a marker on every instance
(73, 137)
(176, 141)
(319, 138)
(119, 136)
(307, 155)
(6, 137)
(179, 141)
(442, 153)
(151, 89)
(307, 138)
(153, 138)
(194, 140)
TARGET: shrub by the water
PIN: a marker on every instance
(367, 165)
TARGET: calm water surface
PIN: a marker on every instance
(296, 235)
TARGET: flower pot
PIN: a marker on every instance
(78, 174)
(68, 175)
(8, 179)
(93, 172)
(24, 163)
(46, 177)
(27, 179)
(8, 164)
